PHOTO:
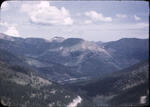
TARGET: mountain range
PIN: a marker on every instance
(73, 71)
(75, 58)
(22, 86)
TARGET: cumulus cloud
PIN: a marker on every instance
(4, 24)
(78, 14)
(4, 5)
(12, 31)
(137, 18)
(44, 13)
(121, 15)
(88, 21)
(97, 16)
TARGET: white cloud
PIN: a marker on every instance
(137, 18)
(12, 31)
(97, 16)
(4, 24)
(7, 25)
(44, 13)
(88, 21)
(142, 25)
(126, 26)
(121, 15)
(78, 14)
(4, 5)
(115, 26)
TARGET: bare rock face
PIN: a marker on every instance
(57, 39)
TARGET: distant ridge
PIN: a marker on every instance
(84, 59)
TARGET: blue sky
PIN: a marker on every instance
(90, 20)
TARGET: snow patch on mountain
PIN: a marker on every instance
(143, 99)
(53, 91)
(75, 102)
